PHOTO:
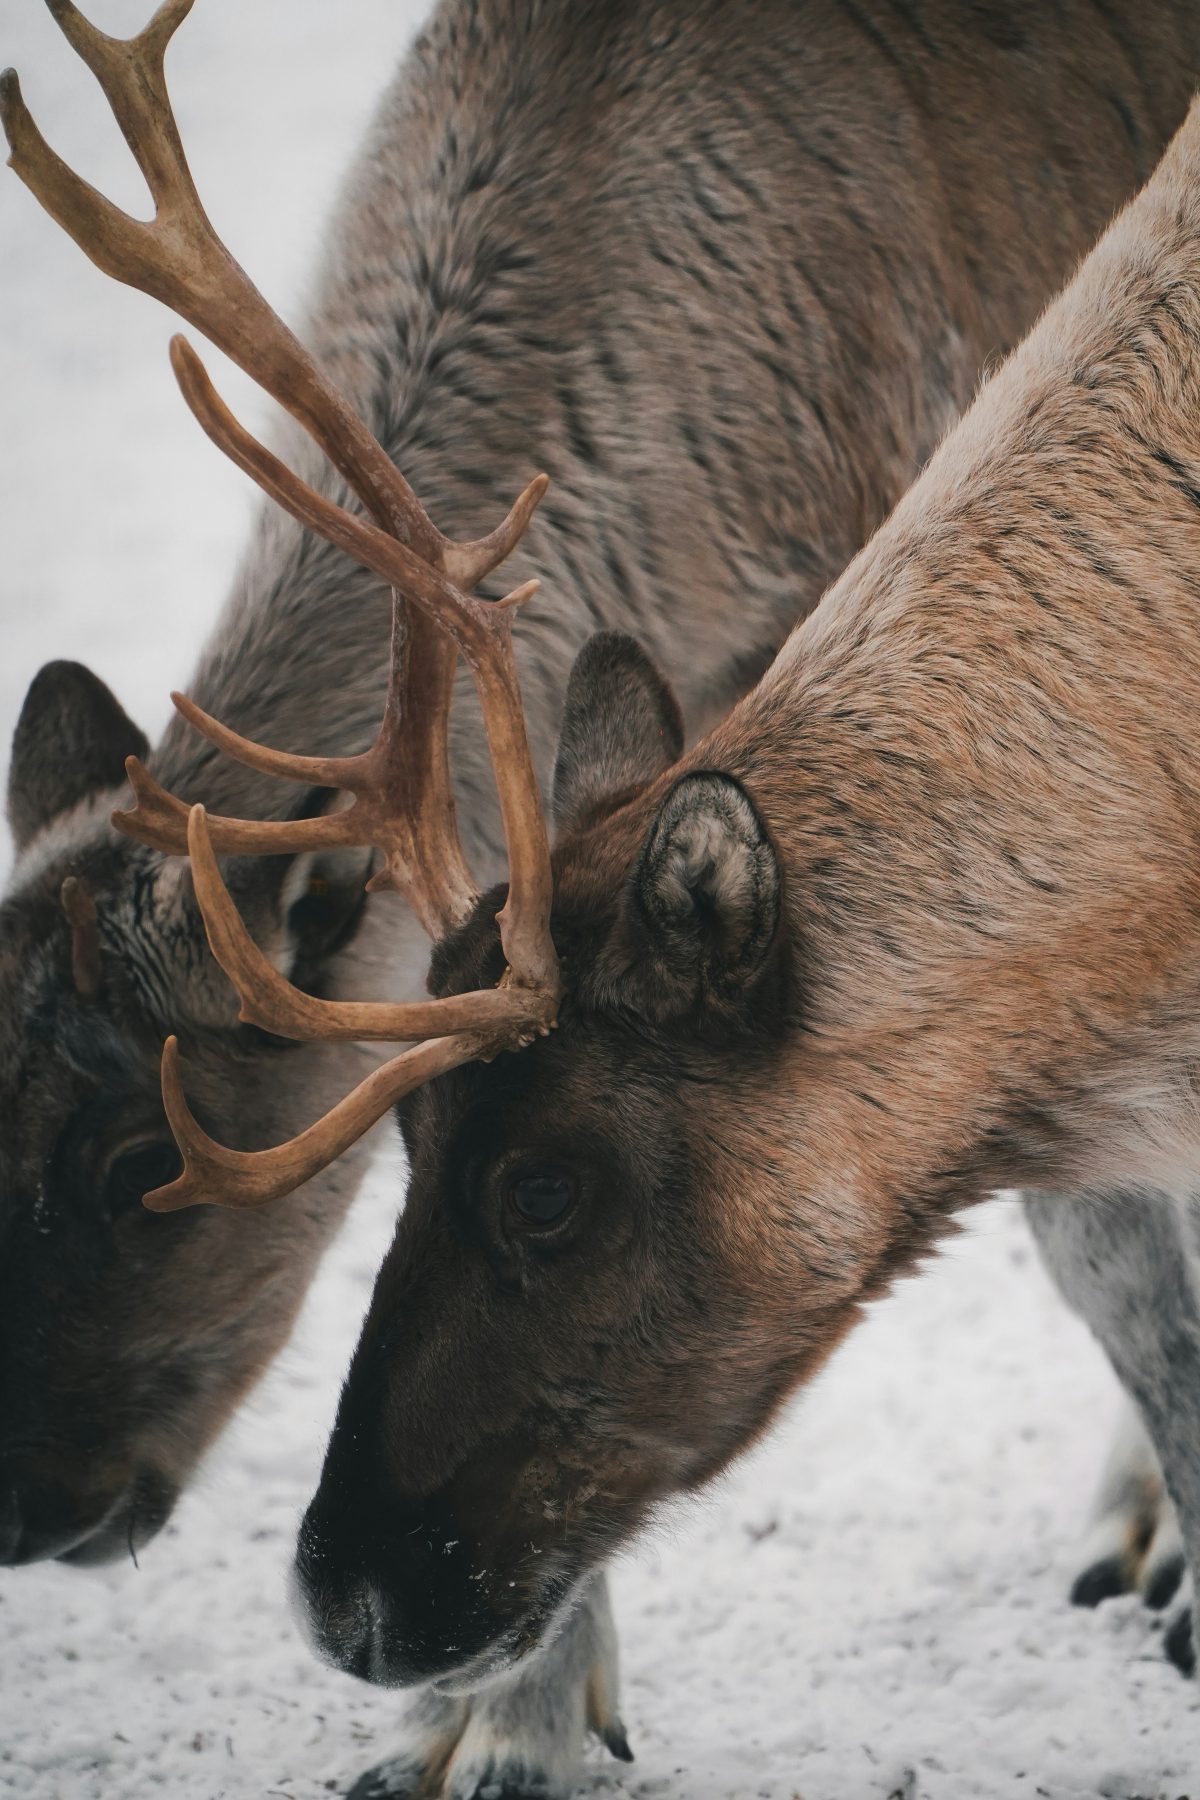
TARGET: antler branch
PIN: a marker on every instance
(482, 631)
(178, 258)
(275, 1004)
(216, 1176)
(401, 796)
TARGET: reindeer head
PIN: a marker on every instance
(126, 1340)
(84, 1137)
(590, 1305)
(577, 1316)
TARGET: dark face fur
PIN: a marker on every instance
(84, 1131)
(126, 1339)
(563, 1332)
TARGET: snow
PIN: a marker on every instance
(874, 1604)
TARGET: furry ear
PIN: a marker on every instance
(621, 728)
(71, 741)
(702, 915)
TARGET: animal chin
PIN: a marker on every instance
(131, 1522)
(488, 1665)
(42, 1520)
(527, 1638)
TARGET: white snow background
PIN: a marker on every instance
(874, 1604)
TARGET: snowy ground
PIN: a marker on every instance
(874, 1606)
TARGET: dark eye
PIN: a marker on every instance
(541, 1196)
(139, 1172)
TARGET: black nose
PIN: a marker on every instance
(353, 1620)
(393, 1596)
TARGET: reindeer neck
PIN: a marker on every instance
(565, 247)
(981, 761)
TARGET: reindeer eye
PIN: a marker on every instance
(541, 1196)
(139, 1172)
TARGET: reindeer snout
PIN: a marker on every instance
(350, 1625)
(390, 1593)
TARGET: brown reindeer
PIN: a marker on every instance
(805, 230)
(918, 920)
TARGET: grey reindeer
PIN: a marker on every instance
(726, 273)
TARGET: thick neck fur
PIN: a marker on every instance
(979, 758)
(731, 359)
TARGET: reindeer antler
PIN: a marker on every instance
(401, 798)
(178, 258)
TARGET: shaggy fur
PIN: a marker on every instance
(925, 926)
(726, 273)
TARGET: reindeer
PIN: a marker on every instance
(916, 921)
(803, 234)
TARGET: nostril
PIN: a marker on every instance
(339, 1617)
(11, 1524)
(342, 1609)
(386, 1597)
(362, 1632)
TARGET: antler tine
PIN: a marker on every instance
(216, 1176)
(130, 70)
(177, 258)
(402, 799)
(467, 564)
(270, 1001)
(482, 631)
(313, 771)
(161, 821)
(420, 579)
(80, 910)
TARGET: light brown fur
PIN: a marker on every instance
(974, 773)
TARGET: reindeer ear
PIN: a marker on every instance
(71, 741)
(705, 899)
(621, 727)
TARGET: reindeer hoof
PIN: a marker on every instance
(402, 1779)
(398, 1779)
(1140, 1552)
(502, 1778)
(1133, 1548)
(1179, 1640)
(504, 1782)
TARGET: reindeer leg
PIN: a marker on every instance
(1129, 1264)
(521, 1738)
(433, 1723)
(1133, 1543)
